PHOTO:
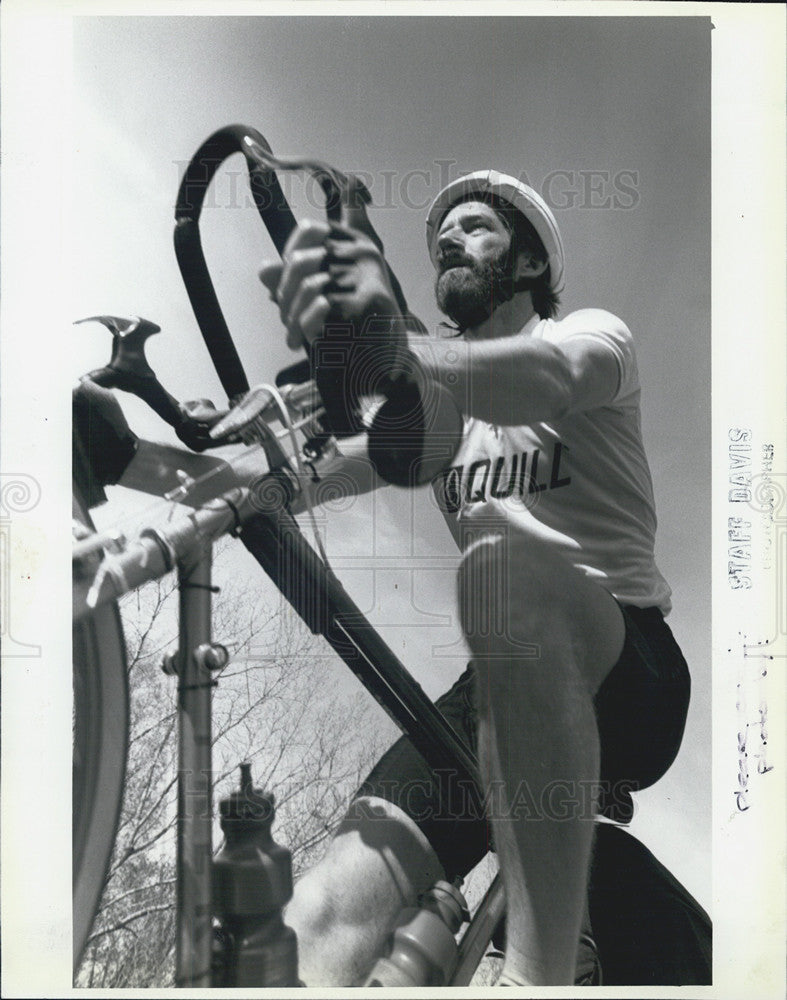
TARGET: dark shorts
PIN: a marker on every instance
(641, 713)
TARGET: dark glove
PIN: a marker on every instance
(362, 348)
(198, 417)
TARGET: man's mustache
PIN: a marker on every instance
(452, 258)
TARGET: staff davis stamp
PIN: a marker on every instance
(739, 528)
(756, 530)
(761, 495)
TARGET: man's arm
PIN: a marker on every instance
(158, 469)
(107, 452)
(507, 380)
(518, 379)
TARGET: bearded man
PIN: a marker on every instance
(577, 692)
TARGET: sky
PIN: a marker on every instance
(609, 117)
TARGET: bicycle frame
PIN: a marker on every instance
(274, 538)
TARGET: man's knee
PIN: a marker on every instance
(505, 594)
(345, 907)
(519, 597)
(386, 838)
(378, 853)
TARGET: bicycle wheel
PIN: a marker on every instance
(100, 719)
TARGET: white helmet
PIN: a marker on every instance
(521, 197)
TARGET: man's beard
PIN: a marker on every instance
(469, 292)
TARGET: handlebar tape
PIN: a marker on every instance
(279, 221)
(275, 213)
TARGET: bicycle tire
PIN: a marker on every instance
(100, 722)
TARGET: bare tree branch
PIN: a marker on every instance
(125, 924)
(270, 707)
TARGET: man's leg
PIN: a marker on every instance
(344, 909)
(543, 638)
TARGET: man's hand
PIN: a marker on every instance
(297, 283)
(199, 416)
(335, 298)
(329, 274)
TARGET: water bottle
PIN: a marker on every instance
(252, 882)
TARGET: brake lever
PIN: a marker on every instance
(259, 405)
(128, 370)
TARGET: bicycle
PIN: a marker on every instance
(250, 499)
